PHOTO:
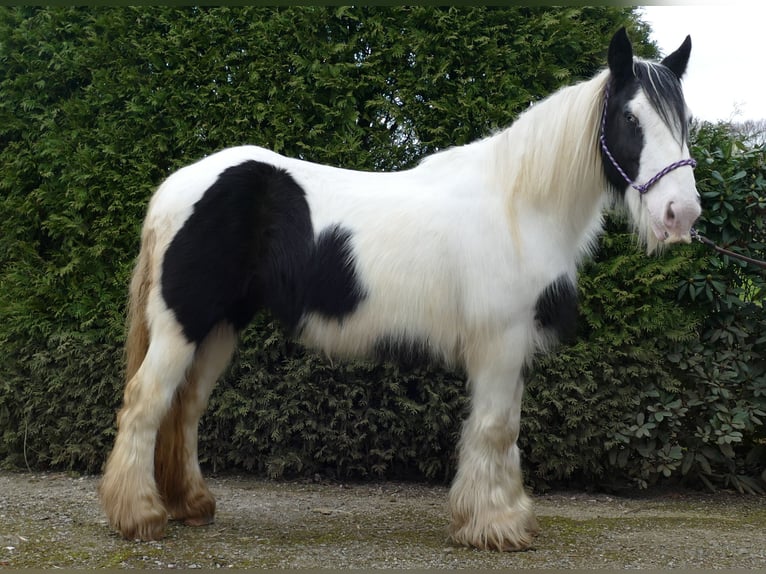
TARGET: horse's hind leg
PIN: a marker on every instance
(489, 506)
(176, 466)
(128, 490)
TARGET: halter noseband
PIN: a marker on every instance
(642, 188)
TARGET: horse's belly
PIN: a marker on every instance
(397, 317)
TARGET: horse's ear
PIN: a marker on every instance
(678, 60)
(620, 56)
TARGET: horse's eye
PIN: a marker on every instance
(631, 118)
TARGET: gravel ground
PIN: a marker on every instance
(54, 520)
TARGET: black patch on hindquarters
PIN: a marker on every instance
(249, 245)
(556, 308)
(333, 289)
(244, 247)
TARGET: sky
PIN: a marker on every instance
(726, 77)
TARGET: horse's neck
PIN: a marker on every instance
(548, 161)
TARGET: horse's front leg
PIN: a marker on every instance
(489, 506)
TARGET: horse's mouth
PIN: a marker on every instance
(668, 237)
(685, 238)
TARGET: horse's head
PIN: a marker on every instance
(644, 142)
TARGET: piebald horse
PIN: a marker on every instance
(471, 255)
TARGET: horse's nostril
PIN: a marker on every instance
(670, 215)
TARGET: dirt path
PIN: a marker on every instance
(52, 520)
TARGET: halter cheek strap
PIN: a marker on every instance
(642, 188)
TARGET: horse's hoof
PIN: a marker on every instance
(144, 528)
(198, 509)
(199, 520)
(503, 532)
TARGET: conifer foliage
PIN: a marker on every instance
(666, 380)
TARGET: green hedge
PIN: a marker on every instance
(665, 381)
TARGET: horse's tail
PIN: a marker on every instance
(137, 340)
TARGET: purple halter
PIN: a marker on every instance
(642, 188)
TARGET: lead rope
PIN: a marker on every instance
(702, 239)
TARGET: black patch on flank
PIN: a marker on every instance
(248, 245)
(556, 308)
(333, 289)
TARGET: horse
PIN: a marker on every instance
(471, 255)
